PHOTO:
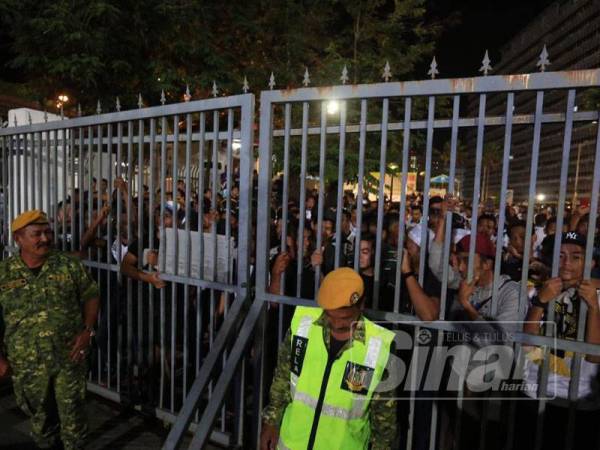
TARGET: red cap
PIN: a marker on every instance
(483, 245)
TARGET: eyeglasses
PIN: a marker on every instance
(435, 211)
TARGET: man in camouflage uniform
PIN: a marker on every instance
(50, 305)
(343, 328)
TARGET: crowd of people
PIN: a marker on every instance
(381, 249)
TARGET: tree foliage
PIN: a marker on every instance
(99, 49)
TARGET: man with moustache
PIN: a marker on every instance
(50, 306)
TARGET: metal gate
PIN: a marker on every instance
(319, 132)
(121, 175)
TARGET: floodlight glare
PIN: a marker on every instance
(333, 106)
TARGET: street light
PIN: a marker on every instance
(333, 106)
(541, 197)
(62, 99)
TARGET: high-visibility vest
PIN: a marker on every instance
(330, 399)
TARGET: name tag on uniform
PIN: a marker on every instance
(299, 345)
(61, 278)
(357, 378)
(13, 284)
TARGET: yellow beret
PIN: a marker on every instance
(34, 216)
(341, 287)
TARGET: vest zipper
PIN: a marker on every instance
(315, 424)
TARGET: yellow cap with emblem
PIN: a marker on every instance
(33, 216)
(340, 288)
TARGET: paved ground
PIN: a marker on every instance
(110, 428)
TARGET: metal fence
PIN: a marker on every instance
(122, 175)
(330, 134)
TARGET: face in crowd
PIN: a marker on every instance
(416, 215)
(482, 267)
(517, 238)
(571, 265)
(328, 229)
(486, 226)
(435, 213)
(366, 254)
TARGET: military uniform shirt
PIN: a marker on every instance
(43, 312)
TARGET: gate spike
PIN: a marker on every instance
(118, 105)
(163, 99)
(271, 81)
(187, 96)
(78, 109)
(29, 118)
(306, 80)
(387, 73)
(344, 78)
(486, 67)
(140, 101)
(433, 69)
(215, 91)
(45, 116)
(543, 61)
(245, 86)
(98, 108)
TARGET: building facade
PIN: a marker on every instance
(570, 30)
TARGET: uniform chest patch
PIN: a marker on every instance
(299, 345)
(357, 378)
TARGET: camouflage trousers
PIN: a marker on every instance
(54, 399)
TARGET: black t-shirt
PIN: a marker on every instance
(512, 267)
(368, 281)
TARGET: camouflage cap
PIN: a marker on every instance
(340, 288)
(33, 216)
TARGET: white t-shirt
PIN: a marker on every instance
(558, 385)
(540, 234)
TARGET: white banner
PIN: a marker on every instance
(218, 258)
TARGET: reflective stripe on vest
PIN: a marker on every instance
(355, 412)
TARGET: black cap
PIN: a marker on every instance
(574, 238)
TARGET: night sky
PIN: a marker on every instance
(484, 24)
